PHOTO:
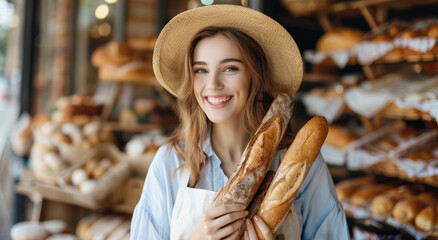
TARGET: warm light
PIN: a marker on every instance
(104, 29)
(15, 20)
(111, 1)
(207, 2)
(102, 11)
(245, 3)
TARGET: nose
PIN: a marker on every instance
(214, 82)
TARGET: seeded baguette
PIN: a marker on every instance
(291, 173)
(257, 157)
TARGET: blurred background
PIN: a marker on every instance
(80, 108)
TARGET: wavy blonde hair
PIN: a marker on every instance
(188, 139)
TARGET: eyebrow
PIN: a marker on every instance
(222, 61)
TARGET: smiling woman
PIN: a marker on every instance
(226, 64)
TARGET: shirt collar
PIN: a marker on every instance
(208, 149)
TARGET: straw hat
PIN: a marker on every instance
(282, 53)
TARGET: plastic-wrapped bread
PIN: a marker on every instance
(291, 173)
(257, 157)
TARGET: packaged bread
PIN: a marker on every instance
(292, 172)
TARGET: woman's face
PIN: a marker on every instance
(221, 79)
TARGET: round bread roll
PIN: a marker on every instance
(55, 226)
(432, 31)
(339, 39)
(87, 186)
(407, 209)
(79, 176)
(28, 231)
(54, 162)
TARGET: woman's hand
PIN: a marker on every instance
(250, 233)
(223, 222)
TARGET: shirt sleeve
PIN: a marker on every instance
(152, 214)
(317, 206)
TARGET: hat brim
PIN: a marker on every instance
(283, 55)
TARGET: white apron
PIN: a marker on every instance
(190, 204)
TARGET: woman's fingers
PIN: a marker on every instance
(228, 218)
(250, 232)
(264, 228)
(230, 229)
(215, 196)
(220, 211)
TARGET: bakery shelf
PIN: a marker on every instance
(133, 127)
(30, 186)
(320, 78)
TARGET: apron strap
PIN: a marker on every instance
(185, 176)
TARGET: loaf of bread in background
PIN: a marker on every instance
(291, 173)
(256, 202)
(427, 219)
(407, 209)
(257, 157)
(339, 39)
(385, 202)
(338, 137)
(346, 188)
(364, 195)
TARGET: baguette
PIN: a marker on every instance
(292, 172)
(427, 219)
(256, 202)
(256, 159)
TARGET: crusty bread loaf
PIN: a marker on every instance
(256, 159)
(346, 188)
(113, 52)
(364, 195)
(385, 202)
(338, 137)
(256, 202)
(427, 219)
(292, 172)
(339, 39)
(407, 209)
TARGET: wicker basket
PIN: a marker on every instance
(303, 7)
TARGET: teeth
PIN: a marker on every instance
(218, 101)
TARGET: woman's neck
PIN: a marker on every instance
(229, 142)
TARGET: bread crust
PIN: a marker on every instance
(292, 172)
(256, 159)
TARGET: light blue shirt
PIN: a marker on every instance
(319, 212)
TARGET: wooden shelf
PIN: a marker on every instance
(320, 78)
(128, 127)
(30, 186)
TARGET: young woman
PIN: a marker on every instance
(225, 64)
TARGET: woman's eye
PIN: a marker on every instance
(200, 70)
(230, 69)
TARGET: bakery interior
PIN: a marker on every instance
(82, 114)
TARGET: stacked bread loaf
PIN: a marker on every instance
(122, 61)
